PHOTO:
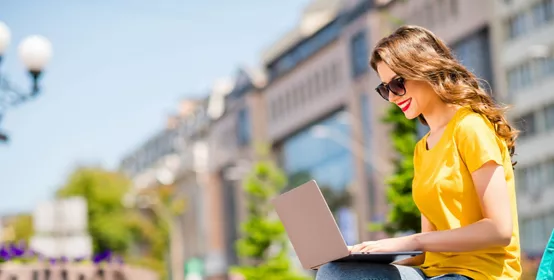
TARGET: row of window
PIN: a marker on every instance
(534, 178)
(164, 143)
(320, 82)
(358, 54)
(537, 122)
(540, 14)
(435, 12)
(530, 72)
(157, 147)
(303, 51)
(535, 232)
(473, 52)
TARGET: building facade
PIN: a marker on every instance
(524, 51)
(323, 115)
(314, 103)
(238, 127)
(176, 156)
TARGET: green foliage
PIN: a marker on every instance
(103, 190)
(114, 227)
(263, 247)
(404, 215)
(19, 228)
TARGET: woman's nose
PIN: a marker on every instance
(392, 97)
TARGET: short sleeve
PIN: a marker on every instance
(477, 142)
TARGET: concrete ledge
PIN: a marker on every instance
(38, 271)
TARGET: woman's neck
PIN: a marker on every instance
(438, 116)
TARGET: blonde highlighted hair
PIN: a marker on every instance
(415, 53)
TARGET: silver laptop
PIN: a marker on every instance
(314, 233)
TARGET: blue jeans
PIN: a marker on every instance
(368, 271)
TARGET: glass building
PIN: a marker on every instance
(321, 151)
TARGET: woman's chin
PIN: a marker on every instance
(410, 115)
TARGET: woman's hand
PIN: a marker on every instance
(404, 243)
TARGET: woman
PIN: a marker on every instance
(463, 174)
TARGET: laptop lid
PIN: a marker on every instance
(310, 225)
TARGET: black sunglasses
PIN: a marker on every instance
(396, 86)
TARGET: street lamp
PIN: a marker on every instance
(35, 52)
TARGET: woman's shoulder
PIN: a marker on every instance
(468, 122)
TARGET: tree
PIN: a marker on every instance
(112, 226)
(404, 215)
(264, 246)
(108, 219)
(19, 228)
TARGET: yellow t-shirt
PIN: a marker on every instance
(444, 192)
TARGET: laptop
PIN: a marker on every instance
(314, 233)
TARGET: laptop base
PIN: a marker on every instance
(378, 258)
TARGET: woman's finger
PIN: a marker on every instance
(367, 246)
(356, 248)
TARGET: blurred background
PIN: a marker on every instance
(148, 136)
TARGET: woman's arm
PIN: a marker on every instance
(426, 226)
(495, 229)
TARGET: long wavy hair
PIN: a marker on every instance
(415, 53)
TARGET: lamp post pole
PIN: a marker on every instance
(35, 52)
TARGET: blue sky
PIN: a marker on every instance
(119, 68)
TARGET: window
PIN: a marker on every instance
(526, 75)
(537, 233)
(549, 221)
(317, 81)
(549, 117)
(327, 77)
(474, 53)
(230, 217)
(525, 233)
(301, 94)
(289, 103)
(517, 25)
(512, 82)
(336, 74)
(325, 157)
(359, 55)
(527, 125)
(243, 125)
(306, 49)
(539, 15)
(534, 178)
(519, 174)
(543, 12)
(549, 173)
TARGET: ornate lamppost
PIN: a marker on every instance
(35, 52)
